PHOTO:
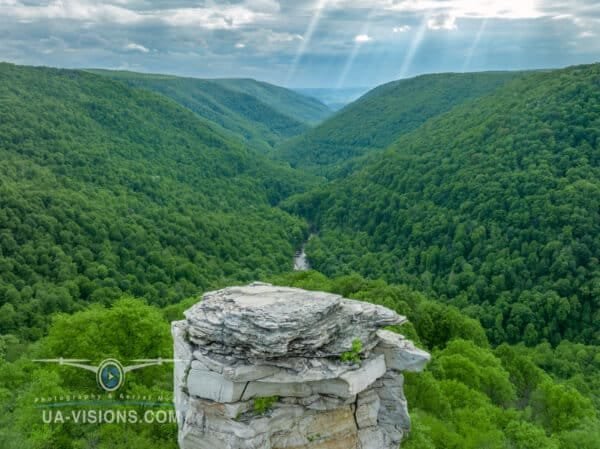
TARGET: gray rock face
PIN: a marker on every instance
(400, 354)
(260, 368)
(260, 321)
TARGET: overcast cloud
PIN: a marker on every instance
(299, 43)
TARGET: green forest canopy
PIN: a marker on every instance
(378, 118)
(109, 191)
(106, 190)
(471, 395)
(262, 114)
(494, 206)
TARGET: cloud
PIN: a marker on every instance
(442, 22)
(136, 47)
(212, 18)
(516, 9)
(283, 37)
(69, 10)
(402, 29)
(209, 16)
(362, 38)
(300, 42)
(264, 6)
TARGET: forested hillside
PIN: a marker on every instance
(377, 119)
(473, 396)
(261, 113)
(106, 190)
(493, 206)
(298, 106)
(123, 197)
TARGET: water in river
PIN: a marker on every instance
(301, 261)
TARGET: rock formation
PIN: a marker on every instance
(265, 367)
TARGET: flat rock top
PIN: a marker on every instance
(261, 320)
(270, 305)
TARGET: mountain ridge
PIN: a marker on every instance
(107, 190)
(382, 115)
(260, 113)
(477, 206)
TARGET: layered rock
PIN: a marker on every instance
(261, 367)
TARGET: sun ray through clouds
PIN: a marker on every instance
(414, 47)
(474, 45)
(306, 38)
(359, 41)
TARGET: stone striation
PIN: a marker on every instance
(259, 367)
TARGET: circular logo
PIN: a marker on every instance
(110, 375)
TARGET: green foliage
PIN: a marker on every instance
(477, 368)
(129, 330)
(432, 324)
(353, 355)
(524, 374)
(377, 119)
(314, 437)
(525, 435)
(107, 190)
(472, 396)
(493, 206)
(559, 407)
(260, 113)
(264, 405)
(143, 186)
(586, 436)
(305, 109)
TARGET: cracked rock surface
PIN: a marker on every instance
(259, 367)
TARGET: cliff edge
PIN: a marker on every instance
(266, 367)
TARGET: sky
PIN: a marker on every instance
(296, 43)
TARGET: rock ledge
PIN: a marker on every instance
(259, 367)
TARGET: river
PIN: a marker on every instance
(301, 261)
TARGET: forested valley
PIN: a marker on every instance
(492, 207)
(107, 190)
(469, 203)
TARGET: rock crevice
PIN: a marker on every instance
(261, 367)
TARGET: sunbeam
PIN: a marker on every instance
(358, 42)
(414, 46)
(474, 45)
(306, 38)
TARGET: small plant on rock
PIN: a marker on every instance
(263, 405)
(353, 356)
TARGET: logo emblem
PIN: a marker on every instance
(110, 373)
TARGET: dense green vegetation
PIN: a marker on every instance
(288, 102)
(473, 396)
(129, 330)
(261, 113)
(381, 116)
(494, 206)
(480, 223)
(106, 189)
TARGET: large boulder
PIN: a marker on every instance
(263, 367)
(262, 321)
